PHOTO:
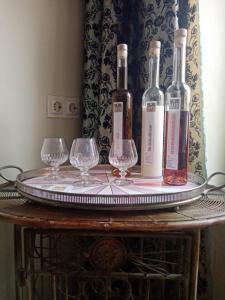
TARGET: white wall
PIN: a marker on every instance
(40, 54)
(212, 24)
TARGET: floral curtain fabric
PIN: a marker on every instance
(136, 22)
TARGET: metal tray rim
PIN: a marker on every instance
(108, 202)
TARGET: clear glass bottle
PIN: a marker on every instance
(177, 113)
(122, 102)
(152, 118)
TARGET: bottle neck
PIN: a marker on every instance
(122, 73)
(179, 63)
(153, 79)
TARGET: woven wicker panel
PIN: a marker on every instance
(212, 206)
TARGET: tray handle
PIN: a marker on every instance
(9, 167)
(212, 188)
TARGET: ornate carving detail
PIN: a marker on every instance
(107, 254)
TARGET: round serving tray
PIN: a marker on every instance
(143, 194)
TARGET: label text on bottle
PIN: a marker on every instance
(118, 127)
(173, 126)
(153, 133)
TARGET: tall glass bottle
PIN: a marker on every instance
(152, 118)
(122, 102)
(177, 117)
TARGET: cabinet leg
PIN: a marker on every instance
(194, 264)
(18, 261)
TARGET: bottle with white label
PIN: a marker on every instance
(122, 103)
(152, 118)
(177, 113)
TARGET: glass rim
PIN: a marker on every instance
(83, 139)
(54, 138)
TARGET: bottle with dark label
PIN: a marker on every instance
(152, 118)
(177, 113)
(122, 102)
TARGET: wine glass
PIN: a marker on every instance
(123, 155)
(54, 153)
(84, 156)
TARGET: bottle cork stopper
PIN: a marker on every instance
(154, 48)
(180, 36)
(122, 47)
(182, 32)
(155, 44)
(122, 50)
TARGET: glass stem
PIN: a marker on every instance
(55, 170)
(84, 176)
(122, 174)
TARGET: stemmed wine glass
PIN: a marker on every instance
(123, 155)
(84, 156)
(54, 153)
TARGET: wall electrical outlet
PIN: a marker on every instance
(72, 108)
(62, 107)
(55, 107)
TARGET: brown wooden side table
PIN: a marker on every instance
(56, 245)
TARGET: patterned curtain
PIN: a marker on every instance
(136, 22)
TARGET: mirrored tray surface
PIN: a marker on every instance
(144, 193)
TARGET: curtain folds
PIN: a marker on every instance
(136, 22)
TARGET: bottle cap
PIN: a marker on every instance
(180, 36)
(154, 48)
(182, 32)
(155, 44)
(122, 47)
(122, 50)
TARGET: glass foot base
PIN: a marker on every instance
(54, 178)
(122, 182)
(90, 181)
